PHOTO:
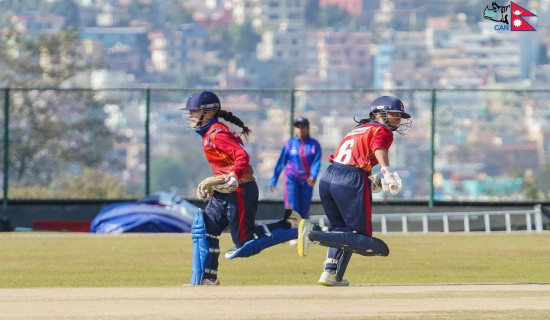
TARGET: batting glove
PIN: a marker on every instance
(376, 185)
(204, 189)
(230, 184)
(391, 182)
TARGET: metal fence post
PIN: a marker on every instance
(6, 144)
(466, 223)
(425, 224)
(383, 224)
(147, 142)
(528, 223)
(538, 218)
(487, 223)
(292, 109)
(432, 153)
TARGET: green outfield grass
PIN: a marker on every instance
(44, 259)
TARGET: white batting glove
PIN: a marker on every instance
(391, 182)
(230, 184)
(203, 194)
(376, 185)
(204, 189)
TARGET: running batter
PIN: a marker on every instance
(346, 190)
(233, 202)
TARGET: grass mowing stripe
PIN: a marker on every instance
(153, 260)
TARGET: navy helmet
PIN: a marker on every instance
(203, 100)
(388, 104)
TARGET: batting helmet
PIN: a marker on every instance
(204, 100)
(388, 104)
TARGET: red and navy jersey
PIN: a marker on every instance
(225, 152)
(357, 148)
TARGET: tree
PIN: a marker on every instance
(67, 9)
(176, 14)
(180, 175)
(244, 39)
(331, 16)
(284, 77)
(93, 183)
(166, 174)
(54, 132)
(312, 13)
(234, 39)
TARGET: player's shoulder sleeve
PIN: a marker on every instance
(382, 138)
(220, 135)
(281, 163)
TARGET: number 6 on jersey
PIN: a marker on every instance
(344, 153)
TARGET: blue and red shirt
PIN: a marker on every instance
(300, 158)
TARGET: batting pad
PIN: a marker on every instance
(255, 246)
(349, 241)
(200, 249)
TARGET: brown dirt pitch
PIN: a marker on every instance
(490, 301)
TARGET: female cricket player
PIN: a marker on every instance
(301, 159)
(346, 190)
(234, 201)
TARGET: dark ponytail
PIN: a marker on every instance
(229, 116)
(362, 121)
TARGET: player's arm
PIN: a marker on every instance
(227, 145)
(281, 163)
(391, 181)
(381, 155)
(315, 165)
(224, 142)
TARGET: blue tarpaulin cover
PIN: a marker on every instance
(157, 212)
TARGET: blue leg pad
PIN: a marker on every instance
(200, 249)
(349, 241)
(255, 246)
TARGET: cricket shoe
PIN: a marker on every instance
(210, 282)
(230, 254)
(260, 231)
(266, 230)
(304, 227)
(293, 218)
(329, 279)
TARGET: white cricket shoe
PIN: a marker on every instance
(304, 227)
(329, 279)
(230, 254)
(293, 219)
